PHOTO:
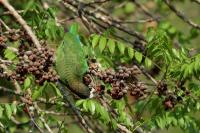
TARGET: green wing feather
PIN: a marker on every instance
(71, 64)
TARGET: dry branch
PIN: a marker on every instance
(22, 22)
(181, 15)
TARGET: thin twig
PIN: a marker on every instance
(3, 23)
(137, 21)
(146, 74)
(181, 15)
(10, 91)
(96, 2)
(24, 100)
(10, 8)
(5, 61)
(105, 19)
(63, 21)
(8, 12)
(75, 110)
(45, 124)
(145, 10)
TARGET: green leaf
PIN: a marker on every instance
(1, 111)
(95, 40)
(27, 83)
(121, 47)
(196, 66)
(194, 33)
(122, 117)
(85, 106)
(172, 30)
(150, 34)
(57, 91)
(52, 12)
(91, 105)
(129, 7)
(187, 70)
(111, 46)
(184, 70)
(8, 110)
(130, 52)
(51, 30)
(138, 56)
(119, 104)
(160, 122)
(181, 122)
(102, 43)
(104, 115)
(79, 102)
(29, 6)
(14, 108)
(114, 124)
(148, 62)
(37, 92)
(165, 25)
(198, 105)
(174, 121)
(9, 54)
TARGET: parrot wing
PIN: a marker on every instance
(71, 64)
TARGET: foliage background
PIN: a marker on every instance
(171, 46)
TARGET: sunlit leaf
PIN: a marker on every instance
(91, 105)
(130, 52)
(8, 110)
(148, 62)
(111, 46)
(102, 43)
(121, 47)
(95, 40)
(138, 56)
(27, 83)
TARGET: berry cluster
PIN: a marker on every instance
(116, 78)
(138, 89)
(119, 89)
(162, 89)
(169, 102)
(36, 62)
(171, 98)
(127, 72)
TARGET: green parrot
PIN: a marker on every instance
(71, 64)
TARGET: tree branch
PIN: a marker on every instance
(23, 23)
(181, 15)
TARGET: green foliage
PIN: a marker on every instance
(45, 91)
(118, 50)
(7, 110)
(159, 46)
(123, 116)
(27, 83)
(10, 55)
(44, 21)
(169, 48)
(95, 109)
